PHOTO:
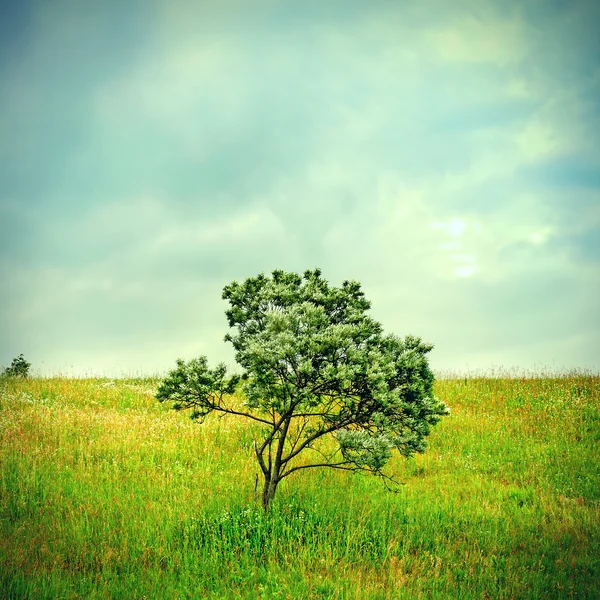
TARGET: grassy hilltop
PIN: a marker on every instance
(106, 493)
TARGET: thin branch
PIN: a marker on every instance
(340, 466)
(385, 478)
(314, 414)
(281, 444)
(261, 461)
(315, 436)
(230, 411)
(327, 457)
(270, 457)
(271, 436)
(216, 404)
(299, 433)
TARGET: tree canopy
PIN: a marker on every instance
(19, 367)
(321, 381)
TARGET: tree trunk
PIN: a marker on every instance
(273, 471)
(269, 492)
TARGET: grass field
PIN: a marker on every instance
(106, 493)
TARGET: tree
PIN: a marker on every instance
(322, 383)
(18, 368)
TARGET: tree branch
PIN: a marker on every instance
(281, 444)
(298, 434)
(340, 466)
(315, 436)
(230, 411)
(275, 427)
(261, 461)
(207, 409)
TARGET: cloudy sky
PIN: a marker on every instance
(445, 154)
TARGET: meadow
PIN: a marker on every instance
(106, 493)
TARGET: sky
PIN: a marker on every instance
(444, 154)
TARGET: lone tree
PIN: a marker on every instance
(316, 366)
(18, 368)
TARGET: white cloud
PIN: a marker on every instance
(454, 227)
(405, 146)
(470, 39)
(464, 270)
(258, 224)
(541, 236)
(536, 140)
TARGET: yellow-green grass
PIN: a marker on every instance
(106, 493)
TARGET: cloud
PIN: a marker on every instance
(469, 39)
(444, 154)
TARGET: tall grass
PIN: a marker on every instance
(105, 493)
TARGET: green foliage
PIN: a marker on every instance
(194, 385)
(18, 368)
(316, 366)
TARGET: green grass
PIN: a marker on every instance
(105, 493)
